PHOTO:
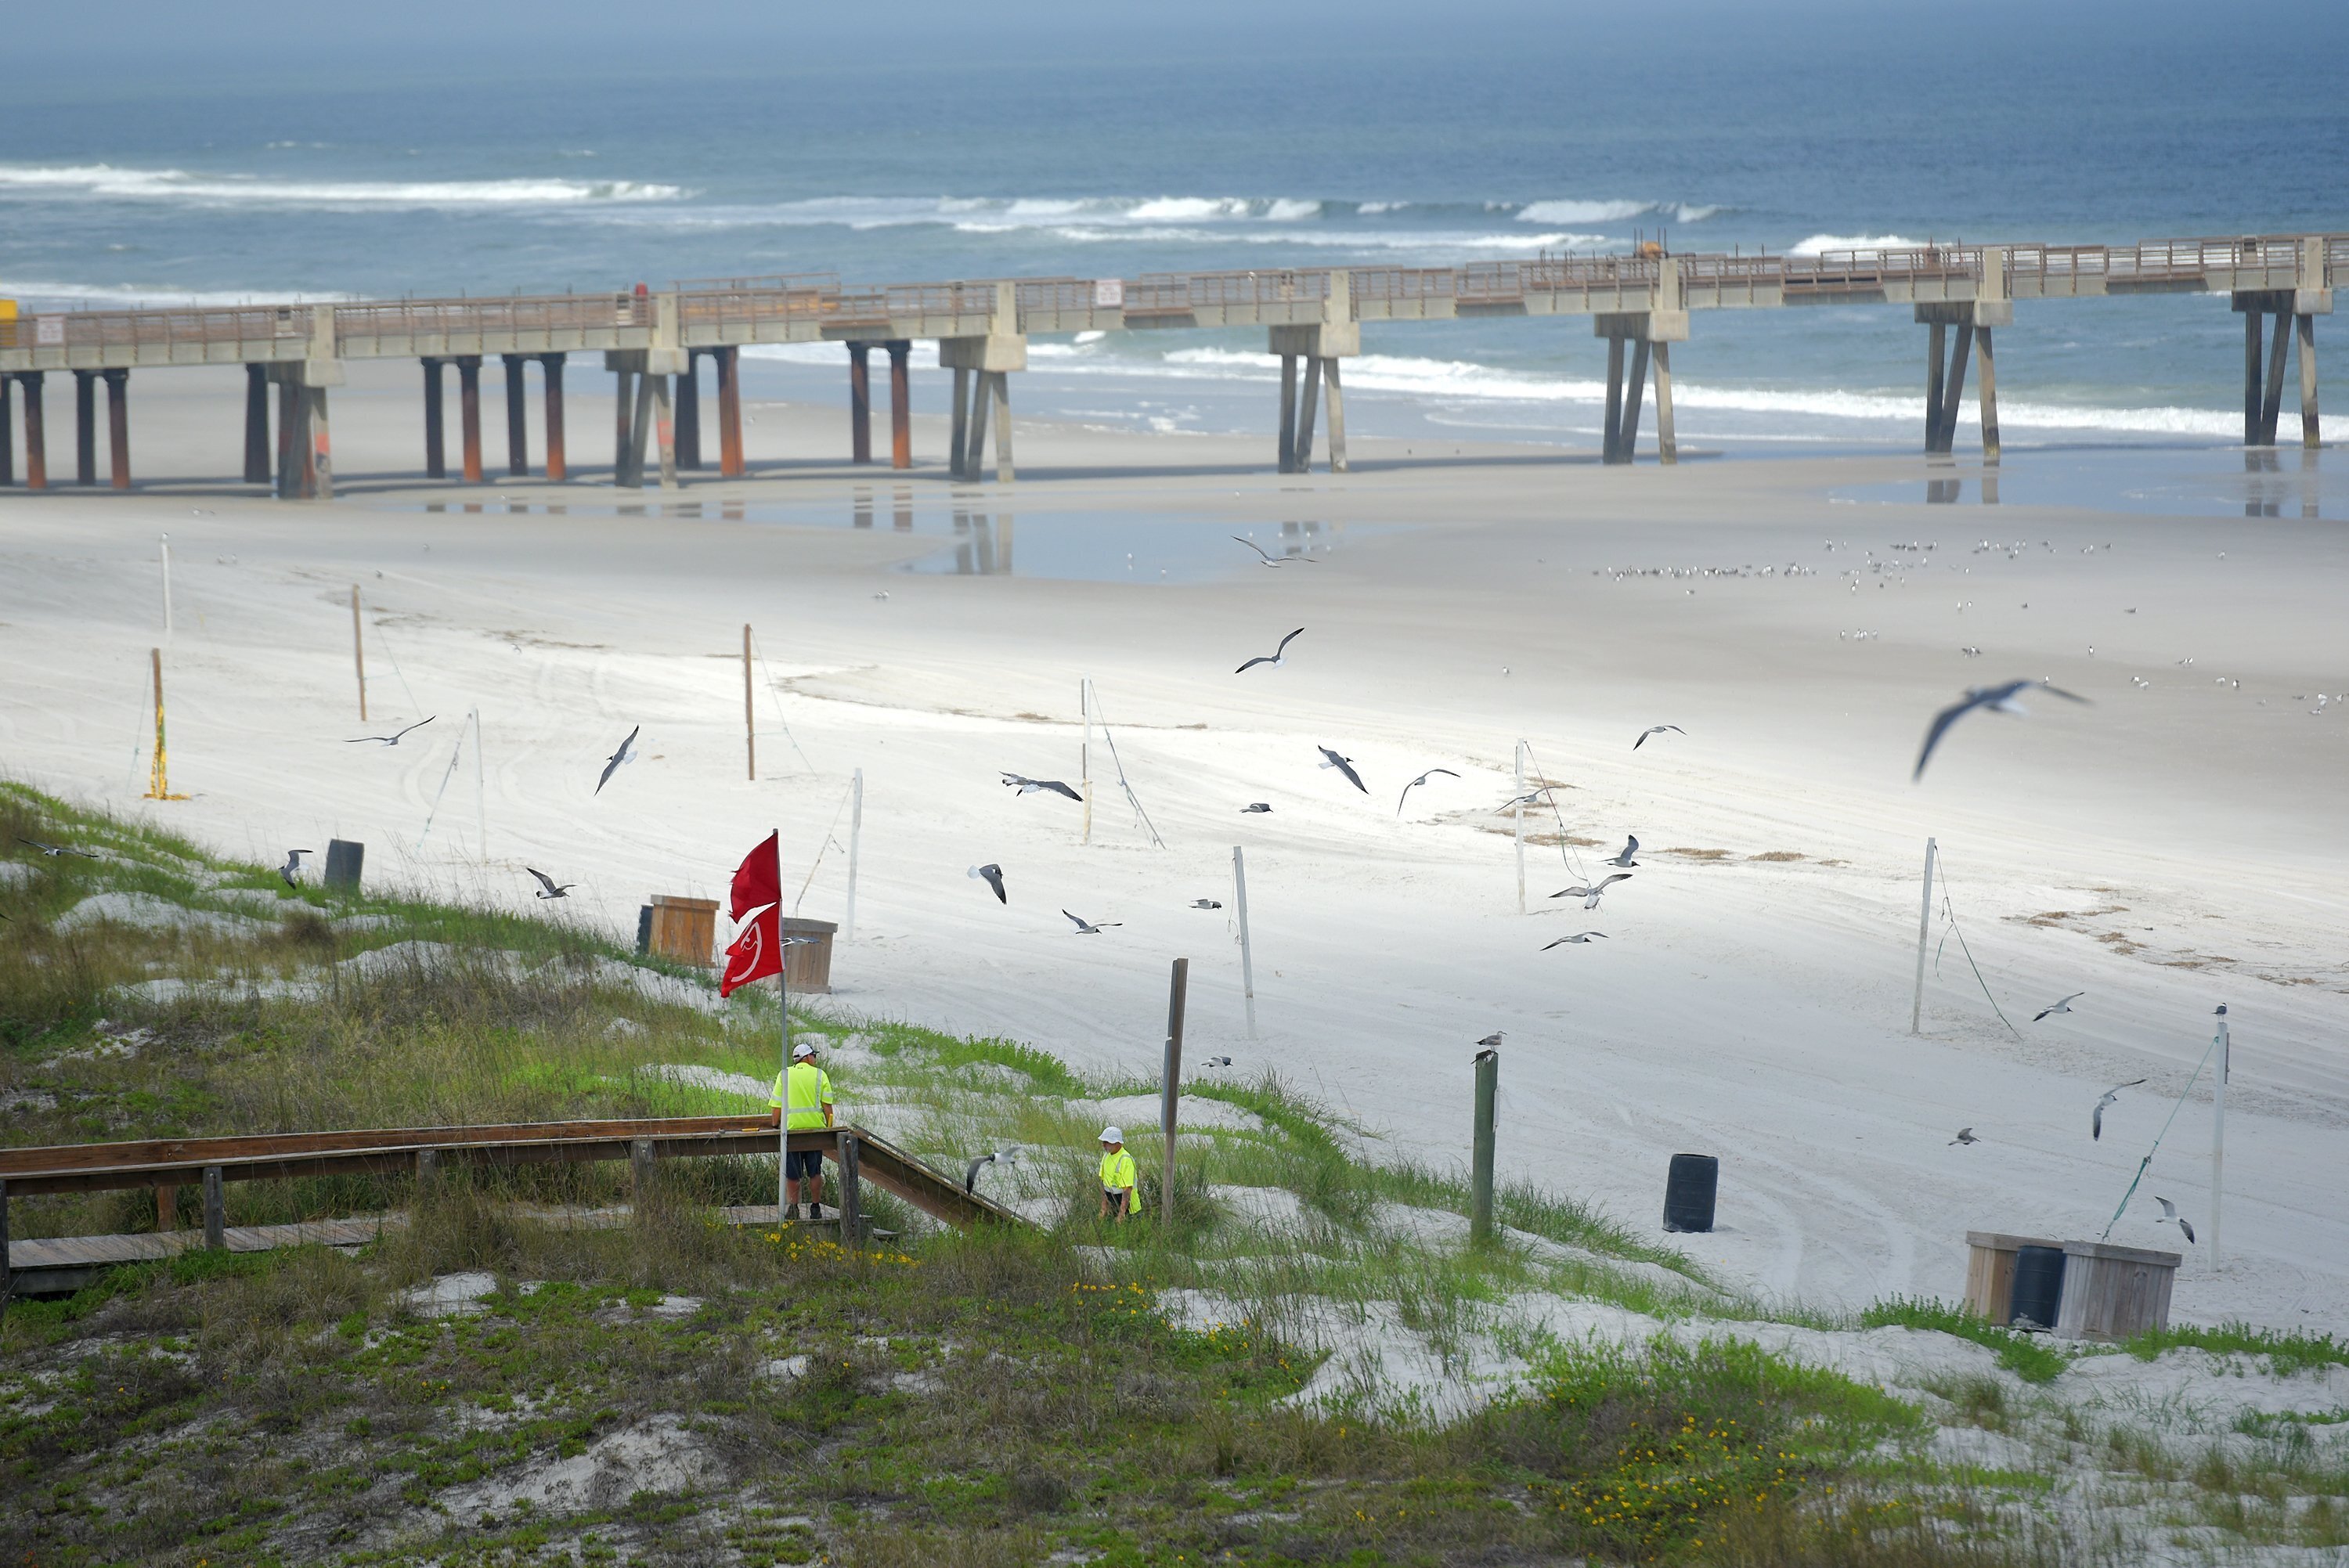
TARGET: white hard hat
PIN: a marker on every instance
(802, 1049)
(1112, 1135)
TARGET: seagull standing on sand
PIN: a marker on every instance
(1997, 698)
(391, 739)
(1087, 928)
(1965, 1135)
(2170, 1216)
(617, 757)
(546, 888)
(2062, 1007)
(1271, 559)
(1580, 936)
(1027, 786)
(1256, 808)
(1205, 903)
(1344, 765)
(1278, 658)
(1656, 730)
(291, 869)
(1623, 857)
(1416, 783)
(1217, 1062)
(1591, 895)
(992, 875)
(2096, 1118)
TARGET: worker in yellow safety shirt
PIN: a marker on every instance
(804, 1091)
(1121, 1195)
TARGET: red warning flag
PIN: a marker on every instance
(757, 950)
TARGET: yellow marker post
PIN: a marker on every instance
(159, 786)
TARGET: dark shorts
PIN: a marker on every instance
(1117, 1200)
(804, 1165)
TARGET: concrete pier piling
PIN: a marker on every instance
(624, 416)
(689, 412)
(37, 449)
(860, 404)
(118, 427)
(7, 432)
(2294, 313)
(84, 427)
(730, 462)
(256, 423)
(558, 467)
(517, 417)
(990, 360)
(901, 404)
(469, 413)
(436, 454)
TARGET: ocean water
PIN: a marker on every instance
(1395, 144)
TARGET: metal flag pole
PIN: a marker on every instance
(784, 1072)
(2219, 1137)
(1924, 929)
(1518, 810)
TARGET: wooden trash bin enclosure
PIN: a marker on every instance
(1990, 1273)
(685, 929)
(808, 964)
(2115, 1292)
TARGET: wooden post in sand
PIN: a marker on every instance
(749, 711)
(1480, 1159)
(1173, 1086)
(159, 787)
(358, 652)
(2219, 1139)
(1924, 928)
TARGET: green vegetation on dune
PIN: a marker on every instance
(658, 1387)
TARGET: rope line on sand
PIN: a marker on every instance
(1950, 914)
(384, 643)
(455, 756)
(774, 699)
(2145, 1164)
(830, 842)
(1566, 856)
(1119, 763)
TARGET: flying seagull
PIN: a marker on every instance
(1344, 765)
(1205, 903)
(391, 739)
(1271, 559)
(291, 869)
(1582, 936)
(2096, 1118)
(1591, 895)
(54, 850)
(2170, 1216)
(546, 884)
(1027, 786)
(1001, 1157)
(1531, 797)
(1656, 730)
(1278, 658)
(1417, 782)
(1087, 928)
(2062, 1007)
(1631, 847)
(992, 875)
(1492, 1042)
(617, 757)
(1258, 807)
(1997, 698)
(1965, 1135)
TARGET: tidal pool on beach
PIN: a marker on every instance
(2170, 482)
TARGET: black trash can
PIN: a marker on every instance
(1689, 1192)
(644, 929)
(343, 859)
(2038, 1298)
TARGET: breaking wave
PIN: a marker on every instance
(106, 182)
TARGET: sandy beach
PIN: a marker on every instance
(2177, 845)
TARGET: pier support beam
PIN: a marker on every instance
(663, 427)
(84, 427)
(118, 425)
(986, 363)
(36, 448)
(436, 451)
(689, 412)
(557, 466)
(623, 365)
(1648, 333)
(306, 464)
(901, 402)
(860, 404)
(7, 435)
(1319, 344)
(517, 416)
(1287, 413)
(2295, 312)
(469, 413)
(1956, 328)
(256, 423)
(731, 463)
(959, 424)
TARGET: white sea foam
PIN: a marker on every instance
(99, 179)
(1571, 212)
(1818, 244)
(129, 296)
